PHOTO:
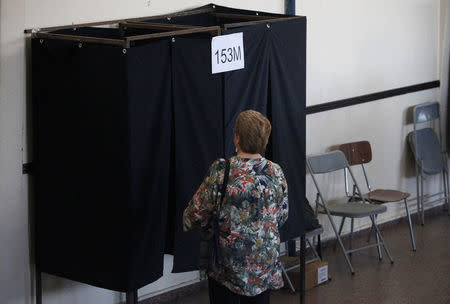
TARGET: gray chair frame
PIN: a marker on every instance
(428, 113)
(335, 161)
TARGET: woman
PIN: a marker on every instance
(254, 207)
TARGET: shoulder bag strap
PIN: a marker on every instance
(216, 259)
(223, 190)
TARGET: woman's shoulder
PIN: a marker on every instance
(221, 162)
(276, 167)
(272, 163)
(218, 164)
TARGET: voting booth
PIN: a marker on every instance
(128, 118)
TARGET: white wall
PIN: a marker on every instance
(14, 256)
(16, 15)
(445, 54)
(360, 47)
(354, 47)
(42, 13)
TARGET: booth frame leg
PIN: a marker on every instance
(38, 278)
(289, 7)
(132, 297)
(302, 268)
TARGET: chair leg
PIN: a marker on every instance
(411, 232)
(422, 200)
(419, 211)
(382, 241)
(351, 236)
(380, 254)
(339, 240)
(340, 231)
(291, 287)
(445, 181)
(448, 193)
(370, 234)
(313, 249)
(444, 188)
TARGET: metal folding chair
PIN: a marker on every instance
(429, 156)
(335, 161)
(360, 153)
(317, 255)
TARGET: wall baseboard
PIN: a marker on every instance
(176, 294)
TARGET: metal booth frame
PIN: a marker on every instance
(165, 30)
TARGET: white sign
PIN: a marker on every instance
(322, 274)
(227, 53)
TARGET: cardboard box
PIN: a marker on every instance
(316, 273)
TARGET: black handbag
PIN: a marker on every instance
(311, 222)
(209, 241)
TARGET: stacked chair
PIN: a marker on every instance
(429, 156)
(346, 207)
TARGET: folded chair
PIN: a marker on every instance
(360, 153)
(317, 254)
(429, 156)
(335, 161)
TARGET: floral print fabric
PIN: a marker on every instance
(255, 206)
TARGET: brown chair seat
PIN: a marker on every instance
(386, 196)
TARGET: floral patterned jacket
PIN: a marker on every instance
(255, 206)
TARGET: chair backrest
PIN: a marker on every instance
(357, 153)
(427, 150)
(326, 162)
(426, 112)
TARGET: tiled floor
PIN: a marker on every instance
(421, 277)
